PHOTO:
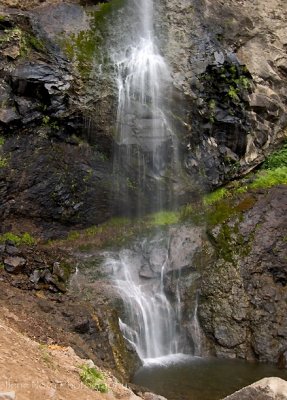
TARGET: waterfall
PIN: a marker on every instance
(151, 324)
(146, 149)
(144, 161)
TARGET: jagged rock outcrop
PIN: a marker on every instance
(55, 169)
(243, 293)
(229, 59)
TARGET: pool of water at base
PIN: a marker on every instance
(182, 377)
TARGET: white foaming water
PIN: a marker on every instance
(151, 324)
(166, 361)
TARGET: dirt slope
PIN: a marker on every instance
(37, 372)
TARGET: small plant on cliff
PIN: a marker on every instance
(93, 379)
(3, 162)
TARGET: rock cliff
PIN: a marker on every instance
(58, 98)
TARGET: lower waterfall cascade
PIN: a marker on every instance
(151, 323)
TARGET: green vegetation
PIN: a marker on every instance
(48, 122)
(215, 196)
(93, 379)
(25, 40)
(3, 162)
(46, 356)
(269, 178)
(223, 203)
(277, 159)
(34, 42)
(164, 218)
(82, 48)
(25, 239)
(116, 231)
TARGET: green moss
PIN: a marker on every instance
(3, 162)
(87, 45)
(219, 213)
(93, 379)
(233, 93)
(34, 42)
(25, 239)
(215, 196)
(164, 218)
(269, 178)
(224, 245)
(2, 141)
(25, 40)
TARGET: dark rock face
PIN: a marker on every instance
(233, 79)
(243, 294)
(52, 166)
(54, 182)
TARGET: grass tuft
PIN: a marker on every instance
(269, 178)
(93, 379)
(25, 239)
(215, 196)
(162, 218)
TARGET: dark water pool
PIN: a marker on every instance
(192, 378)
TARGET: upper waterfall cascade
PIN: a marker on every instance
(146, 148)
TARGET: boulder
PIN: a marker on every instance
(265, 389)
(14, 264)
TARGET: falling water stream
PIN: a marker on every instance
(146, 150)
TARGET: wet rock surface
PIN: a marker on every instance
(44, 136)
(243, 293)
(54, 184)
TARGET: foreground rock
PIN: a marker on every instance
(265, 389)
